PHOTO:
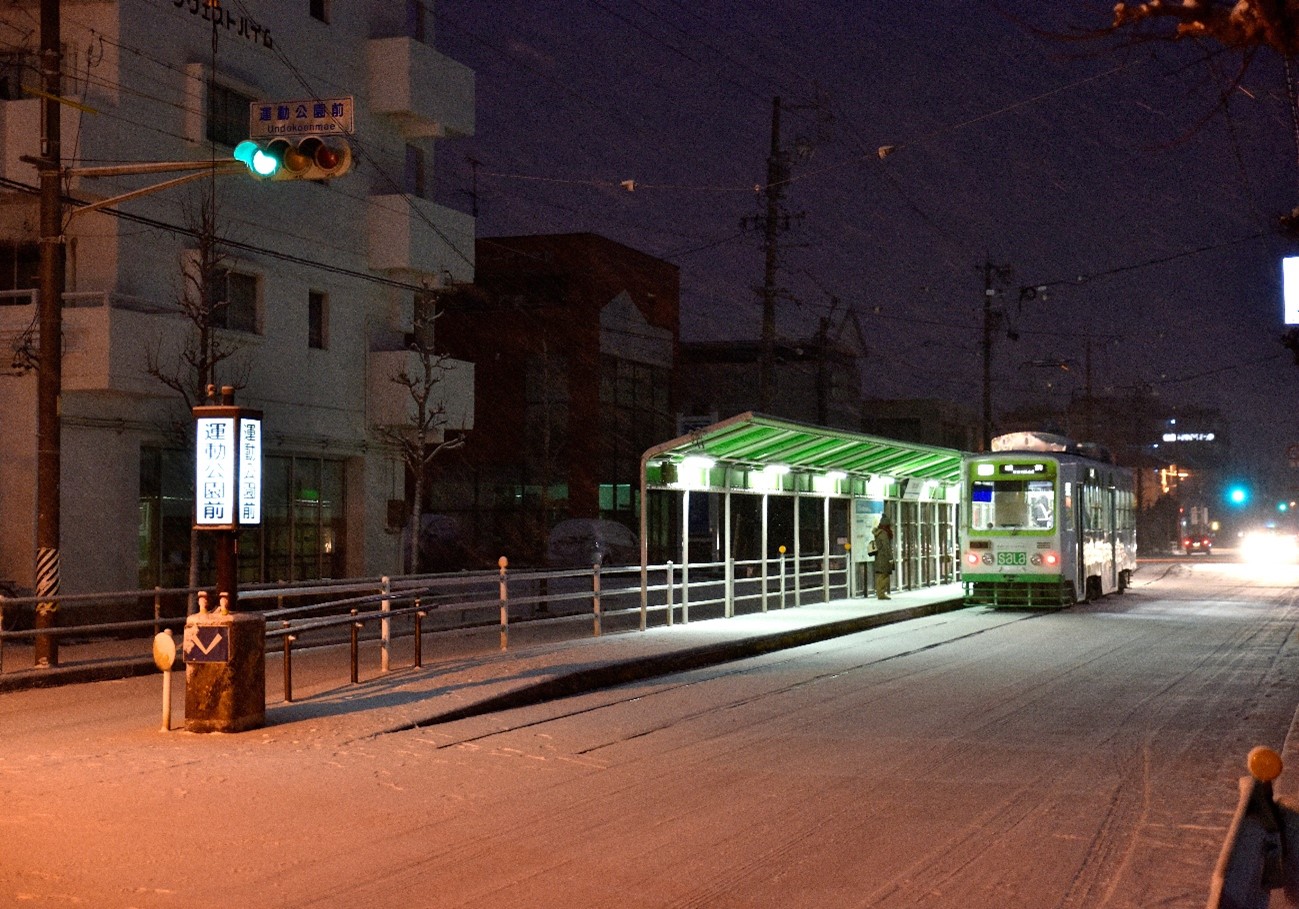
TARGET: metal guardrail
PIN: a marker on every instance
(466, 600)
(1261, 851)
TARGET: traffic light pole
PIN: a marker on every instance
(200, 170)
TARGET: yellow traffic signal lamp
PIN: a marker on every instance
(312, 158)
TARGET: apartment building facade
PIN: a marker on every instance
(317, 284)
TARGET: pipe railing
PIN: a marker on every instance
(466, 601)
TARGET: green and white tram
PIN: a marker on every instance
(1045, 524)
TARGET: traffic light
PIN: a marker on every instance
(312, 158)
(1238, 495)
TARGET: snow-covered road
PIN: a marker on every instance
(1086, 758)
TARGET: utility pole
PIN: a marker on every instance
(49, 384)
(776, 176)
(990, 318)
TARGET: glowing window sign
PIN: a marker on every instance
(1188, 437)
(1290, 289)
(228, 468)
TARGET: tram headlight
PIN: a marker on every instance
(1035, 560)
(1051, 558)
(972, 558)
(987, 558)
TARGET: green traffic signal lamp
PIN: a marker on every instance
(312, 158)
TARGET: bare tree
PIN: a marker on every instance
(205, 357)
(1243, 24)
(1247, 27)
(423, 437)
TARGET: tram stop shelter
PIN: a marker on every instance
(764, 506)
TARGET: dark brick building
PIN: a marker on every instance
(574, 338)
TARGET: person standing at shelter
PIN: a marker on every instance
(882, 546)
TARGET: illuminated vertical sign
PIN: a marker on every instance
(228, 467)
(1290, 289)
(216, 468)
(250, 470)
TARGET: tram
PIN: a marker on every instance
(1048, 522)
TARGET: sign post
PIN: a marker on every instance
(225, 672)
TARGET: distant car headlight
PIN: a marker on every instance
(1269, 548)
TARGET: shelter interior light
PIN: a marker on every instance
(877, 487)
(828, 483)
(693, 472)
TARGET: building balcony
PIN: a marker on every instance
(107, 340)
(390, 403)
(428, 94)
(410, 235)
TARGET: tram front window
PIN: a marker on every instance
(1012, 505)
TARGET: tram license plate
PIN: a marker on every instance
(1012, 558)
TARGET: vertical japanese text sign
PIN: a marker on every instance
(228, 467)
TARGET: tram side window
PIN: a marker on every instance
(1012, 505)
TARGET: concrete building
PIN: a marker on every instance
(316, 283)
(574, 339)
(816, 380)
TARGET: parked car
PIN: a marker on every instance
(583, 542)
(1197, 540)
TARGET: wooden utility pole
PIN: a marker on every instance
(50, 365)
(776, 176)
(991, 319)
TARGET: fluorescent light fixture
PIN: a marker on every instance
(776, 469)
(697, 462)
(835, 475)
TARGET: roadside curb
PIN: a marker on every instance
(101, 671)
(640, 668)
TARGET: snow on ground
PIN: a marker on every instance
(975, 759)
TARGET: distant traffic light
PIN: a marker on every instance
(312, 158)
(1238, 495)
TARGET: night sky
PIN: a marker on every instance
(1106, 170)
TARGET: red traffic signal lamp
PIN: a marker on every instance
(312, 158)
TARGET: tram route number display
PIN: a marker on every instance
(1012, 558)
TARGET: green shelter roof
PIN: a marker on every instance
(755, 440)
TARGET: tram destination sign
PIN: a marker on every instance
(1024, 469)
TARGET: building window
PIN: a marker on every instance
(303, 528)
(317, 320)
(414, 184)
(227, 117)
(19, 266)
(234, 302)
(320, 10)
(416, 20)
(12, 66)
(302, 536)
